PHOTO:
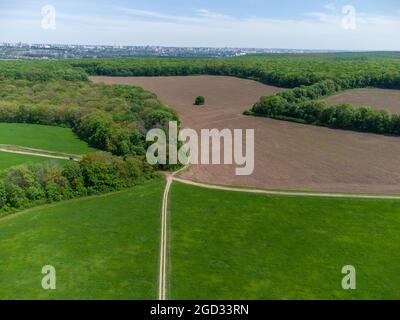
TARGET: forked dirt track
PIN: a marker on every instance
(288, 156)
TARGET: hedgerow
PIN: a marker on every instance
(29, 185)
(302, 105)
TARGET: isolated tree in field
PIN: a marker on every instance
(200, 101)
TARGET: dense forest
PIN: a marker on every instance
(352, 70)
(284, 70)
(39, 71)
(288, 71)
(110, 118)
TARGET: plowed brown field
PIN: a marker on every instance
(288, 156)
(375, 98)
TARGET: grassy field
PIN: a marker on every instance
(226, 245)
(102, 248)
(42, 137)
(8, 160)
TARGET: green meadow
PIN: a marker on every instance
(104, 247)
(43, 137)
(230, 245)
(8, 160)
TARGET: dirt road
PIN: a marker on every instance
(37, 152)
(163, 245)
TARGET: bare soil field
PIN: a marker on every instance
(375, 98)
(288, 156)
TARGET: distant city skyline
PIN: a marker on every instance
(44, 45)
(287, 24)
(65, 51)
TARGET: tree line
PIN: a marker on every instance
(302, 105)
(289, 71)
(29, 185)
(40, 71)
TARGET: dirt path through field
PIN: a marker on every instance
(163, 244)
(287, 193)
(288, 156)
(36, 152)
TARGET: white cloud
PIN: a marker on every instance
(149, 14)
(212, 15)
(201, 16)
(330, 6)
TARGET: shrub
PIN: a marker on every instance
(200, 101)
(73, 173)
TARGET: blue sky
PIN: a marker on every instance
(309, 24)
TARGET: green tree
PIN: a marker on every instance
(200, 101)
